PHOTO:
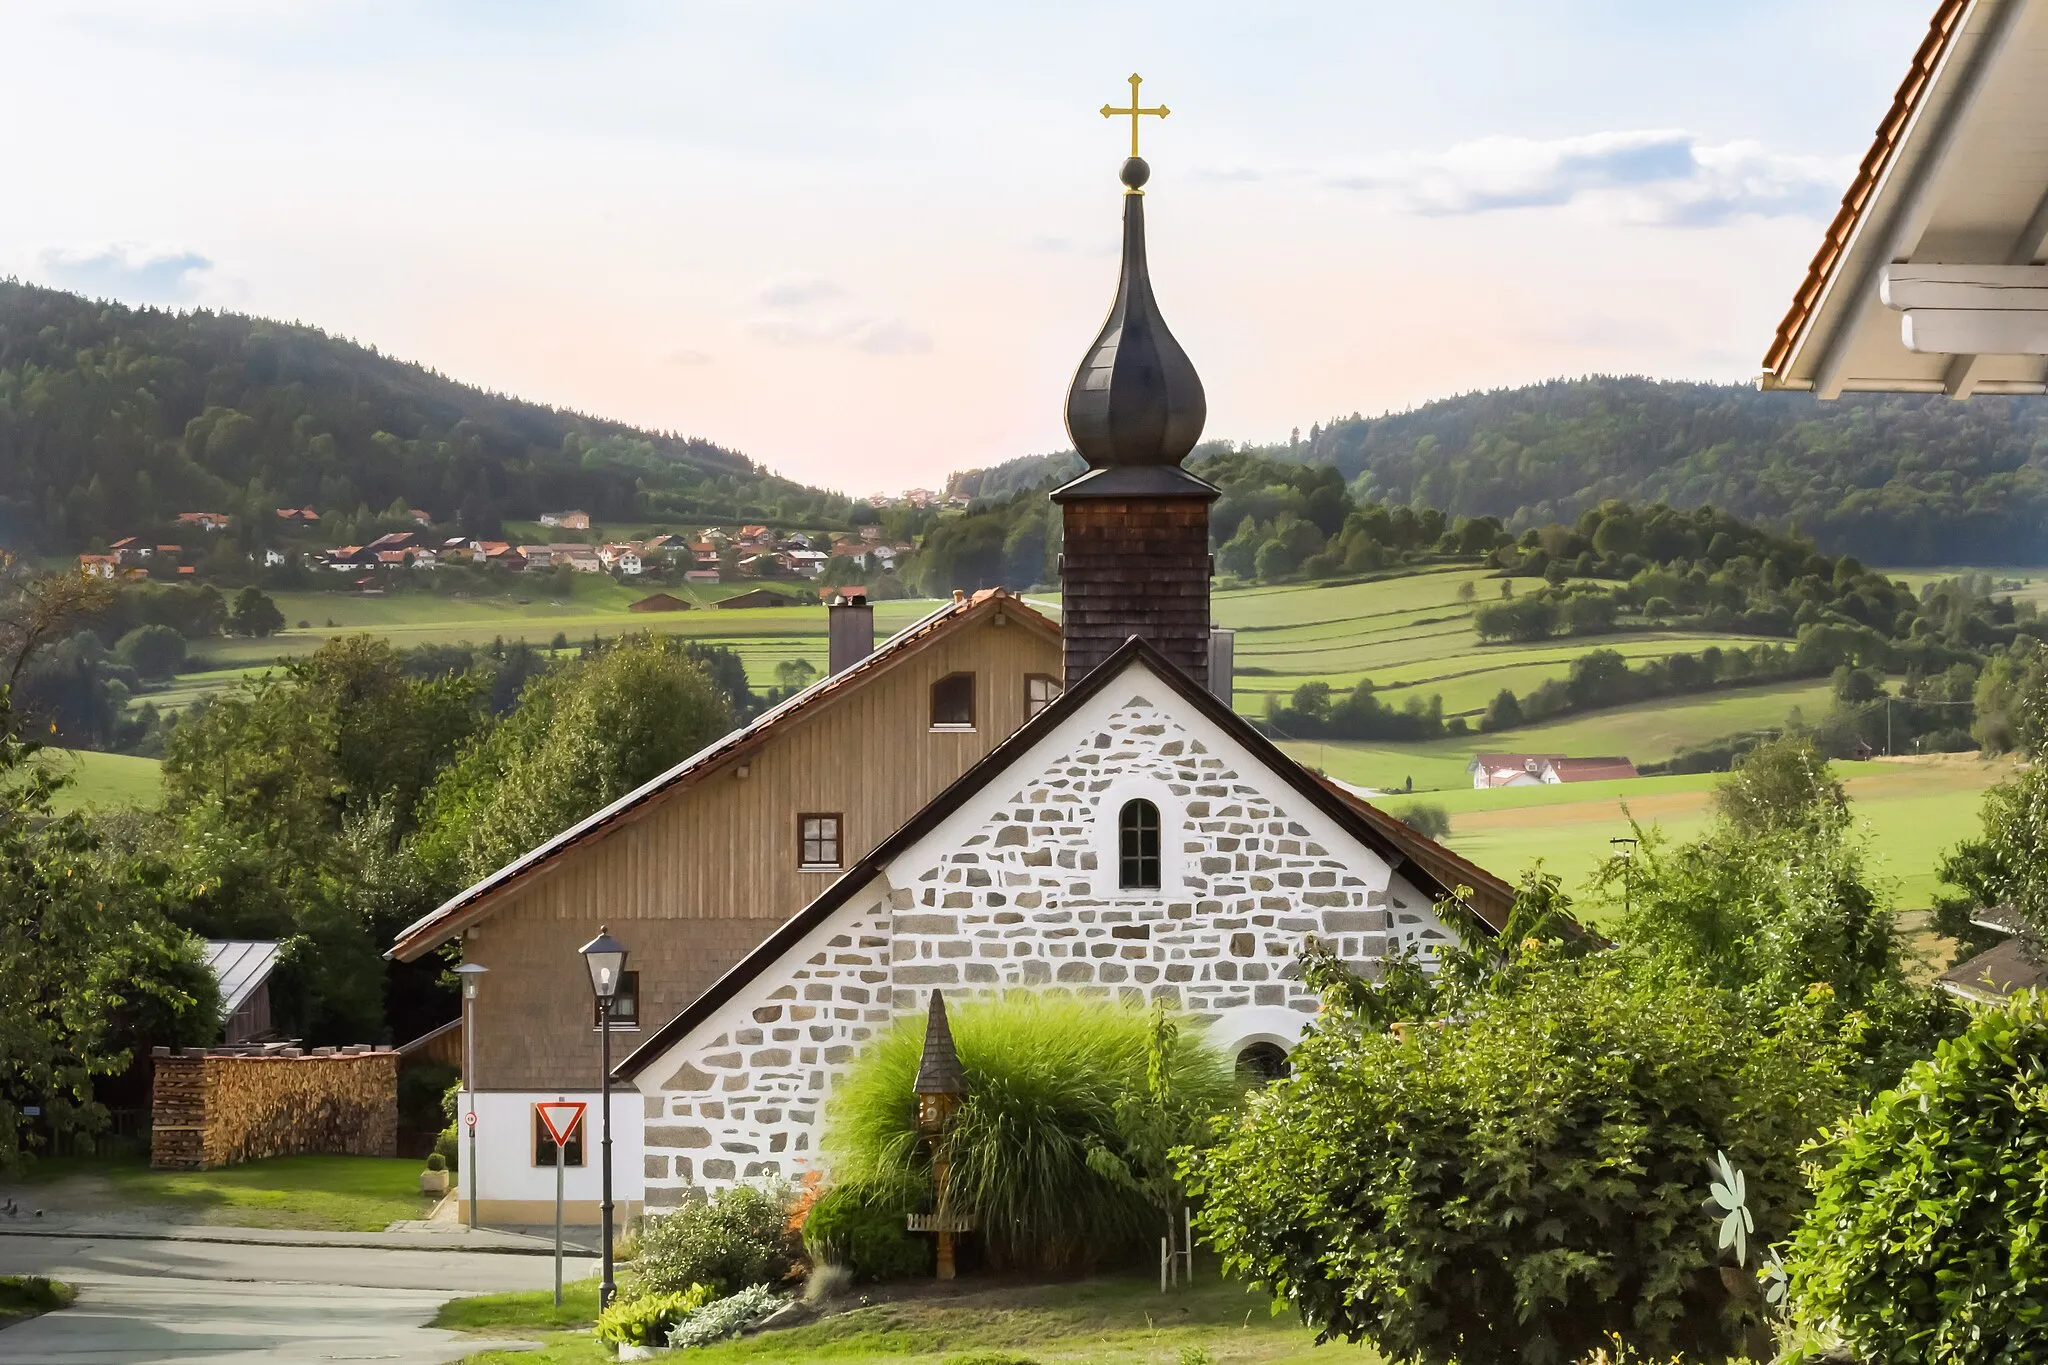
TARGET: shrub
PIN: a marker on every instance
(448, 1146)
(152, 651)
(648, 1319)
(725, 1317)
(740, 1237)
(1041, 1148)
(1924, 1242)
(1521, 1179)
(869, 1239)
(1431, 821)
(436, 1162)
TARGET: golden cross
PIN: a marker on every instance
(1161, 111)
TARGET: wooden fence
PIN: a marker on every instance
(222, 1106)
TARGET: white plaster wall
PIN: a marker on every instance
(504, 1148)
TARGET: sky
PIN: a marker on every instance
(866, 244)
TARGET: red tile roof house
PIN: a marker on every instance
(1528, 770)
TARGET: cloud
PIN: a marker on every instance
(1661, 178)
(131, 272)
(794, 317)
(686, 355)
(799, 293)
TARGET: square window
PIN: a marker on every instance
(953, 702)
(625, 1004)
(817, 840)
(544, 1145)
(1039, 691)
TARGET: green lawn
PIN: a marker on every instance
(106, 780)
(26, 1296)
(325, 1193)
(1912, 811)
(1122, 1320)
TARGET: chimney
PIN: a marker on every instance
(849, 630)
(1223, 664)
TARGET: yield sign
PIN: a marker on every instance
(562, 1118)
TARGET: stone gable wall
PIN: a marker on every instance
(1028, 899)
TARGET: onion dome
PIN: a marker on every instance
(1135, 408)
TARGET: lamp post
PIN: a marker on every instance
(1625, 849)
(469, 972)
(605, 956)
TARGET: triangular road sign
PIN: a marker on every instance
(562, 1118)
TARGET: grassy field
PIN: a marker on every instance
(106, 780)
(1121, 1321)
(1912, 810)
(324, 1193)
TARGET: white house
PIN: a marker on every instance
(1135, 841)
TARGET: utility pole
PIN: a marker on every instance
(1625, 849)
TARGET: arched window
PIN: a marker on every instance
(1261, 1063)
(1137, 846)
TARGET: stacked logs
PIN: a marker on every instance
(223, 1106)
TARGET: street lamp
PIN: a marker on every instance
(1625, 849)
(469, 972)
(605, 956)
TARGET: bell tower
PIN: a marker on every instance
(1136, 556)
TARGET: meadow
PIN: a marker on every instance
(1411, 635)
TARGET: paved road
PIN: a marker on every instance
(202, 1303)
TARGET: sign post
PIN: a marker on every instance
(562, 1118)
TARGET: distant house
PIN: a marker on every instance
(2002, 971)
(538, 556)
(660, 601)
(809, 563)
(128, 549)
(757, 597)
(701, 576)
(422, 518)
(243, 968)
(1529, 770)
(425, 558)
(97, 566)
(581, 558)
(274, 558)
(394, 540)
(298, 516)
(568, 521)
(205, 521)
(621, 559)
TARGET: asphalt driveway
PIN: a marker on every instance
(190, 1302)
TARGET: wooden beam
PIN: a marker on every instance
(1975, 331)
(2019, 288)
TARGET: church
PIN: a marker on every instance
(1133, 839)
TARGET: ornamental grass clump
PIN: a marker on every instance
(1521, 1180)
(1049, 1149)
(1927, 1243)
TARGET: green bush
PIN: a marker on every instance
(1427, 819)
(869, 1239)
(1926, 1241)
(448, 1146)
(1517, 1181)
(436, 1162)
(1041, 1147)
(740, 1237)
(648, 1319)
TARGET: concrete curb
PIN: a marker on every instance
(511, 1245)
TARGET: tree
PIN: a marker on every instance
(1780, 785)
(255, 614)
(584, 734)
(1522, 1177)
(154, 652)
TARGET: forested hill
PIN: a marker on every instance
(114, 419)
(1894, 480)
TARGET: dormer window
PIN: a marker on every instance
(1137, 837)
(953, 702)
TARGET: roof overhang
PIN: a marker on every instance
(1956, 179)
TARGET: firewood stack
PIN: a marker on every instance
(223, 1106)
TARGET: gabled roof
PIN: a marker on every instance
(1592, 769)
(1956, 175)
(241, 966)
(474, 902)
(1419, 860)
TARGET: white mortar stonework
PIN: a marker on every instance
(1017, 889)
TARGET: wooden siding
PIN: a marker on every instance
(707, 873)
(1136, 566)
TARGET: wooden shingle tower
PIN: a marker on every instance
(1136, 558)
